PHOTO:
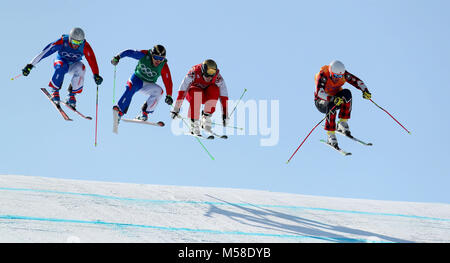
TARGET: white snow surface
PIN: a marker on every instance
(39, 209)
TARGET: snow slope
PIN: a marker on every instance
(36, 209)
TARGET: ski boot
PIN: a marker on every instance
(343, 127)
(206, 121)
(55, 96)
(195, 127)
(143, 116)
(71, 101)
(119, 112)
(144, 113)
(332, 140)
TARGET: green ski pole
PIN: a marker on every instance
(198, 140)
(245, 90)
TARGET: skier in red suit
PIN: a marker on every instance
(203, 85)
(330, 96)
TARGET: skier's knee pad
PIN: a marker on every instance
(61, 66)
(322, 106)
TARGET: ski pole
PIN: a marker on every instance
(114, 87)
(16, 77)
(96, 117)
(245, 90)
(233, 127)
(198, 140)
(203, 146)
(326, 116)
(390, 116)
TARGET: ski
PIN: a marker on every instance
(159, 123)
(211, 137)
(216, 135)
(75, 110)
(355, 139)
(115, 121)
(58, 107)
(336, 148)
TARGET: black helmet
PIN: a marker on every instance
(209, 68)
(158, 50)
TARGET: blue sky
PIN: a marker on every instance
(272, 49)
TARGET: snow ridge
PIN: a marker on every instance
(37, 209)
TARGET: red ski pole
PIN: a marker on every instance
(390, 116)
(16, 77)
(96, 117)
(326, 116)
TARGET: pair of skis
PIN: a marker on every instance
(116, 122)
(345, 153)
(61, 111)
(211, 135)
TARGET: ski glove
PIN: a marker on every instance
(26, 70)
(169, 100)
(98, 79)
(174, 113)
(367, 95)
(338, 101)
(115, 60)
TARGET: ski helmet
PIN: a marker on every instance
(158, 50)
(76, 36)
(337, 69)
(209, 68)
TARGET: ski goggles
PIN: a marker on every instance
(159, 58)
(210, 72)
(337, 76)
(76, 42)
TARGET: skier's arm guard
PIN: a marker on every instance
(224, 103)
(320, 92)
(136, 54)
(47, 51)
(179, 102)
(90, 57)
(355, 82)
(167, 79)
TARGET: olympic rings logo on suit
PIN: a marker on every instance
(147, 71)
(73, 56)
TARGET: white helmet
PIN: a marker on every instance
(76, 34)
(337, 69)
